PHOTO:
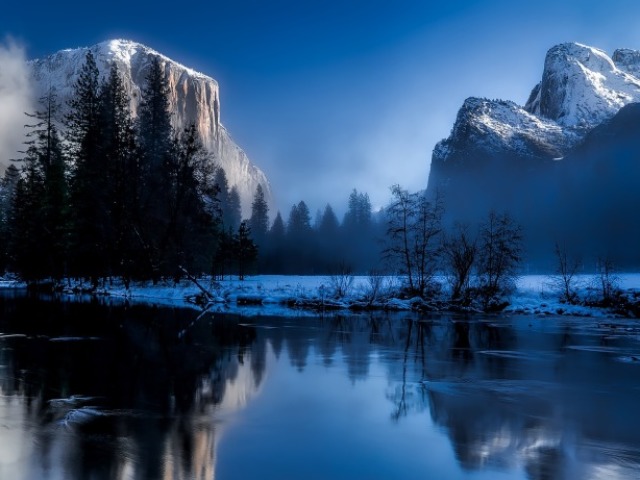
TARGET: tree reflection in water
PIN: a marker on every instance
(116, 392)
(151, 401)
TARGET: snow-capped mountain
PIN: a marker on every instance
(193, 97)
(498, 125)
(581, 87)
(564, 158)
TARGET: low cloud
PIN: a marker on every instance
(16, 98)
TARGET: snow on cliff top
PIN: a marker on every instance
(581, 88)
(507, 119)
(124, 50)
(60, 68)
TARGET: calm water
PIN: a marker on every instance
(95, 392)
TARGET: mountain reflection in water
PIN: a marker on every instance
(136, 392)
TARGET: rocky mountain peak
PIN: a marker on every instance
(627, 60)
(193, 98)
(581, 87)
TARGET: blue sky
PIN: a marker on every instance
(328, 96)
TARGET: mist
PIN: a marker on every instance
(16, 98)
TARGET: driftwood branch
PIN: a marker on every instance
(205, 308)
(208, 295)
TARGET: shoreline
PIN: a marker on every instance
(290, 295)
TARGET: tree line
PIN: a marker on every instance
(117, 196)
(319, 245)
(409, 237)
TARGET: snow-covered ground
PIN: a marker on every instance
(538, 294)
(296, 295)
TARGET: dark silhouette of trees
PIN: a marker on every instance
(273, 252)
(190, 226)
(459, 252)
(358, 216)
(89, 197)
(277, 231)
(8, 186)
(38, 220)
(259, 221)
(139, 201)
(154, 120)
(234, 209)
(246, 251)
(155, 135)
(329, 226)
(299, 240)
(358, 232)
(145, 202)
(414, 223)
(121, 166)
(299, 223)
(229, 201)
(499, 254)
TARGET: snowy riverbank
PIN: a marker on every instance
(294, 295)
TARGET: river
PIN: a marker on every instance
(96, 391)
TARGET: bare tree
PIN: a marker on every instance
(414, 223)
(607, 279)
(566, 269)
(341, 279)
(459, 252)
(426, 232)
(374, 286)
(500, 254)
(400, 217)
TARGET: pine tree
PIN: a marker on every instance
(224, 254)
(277, 230)
(358, 245)
(246, 251)
(234, 209)
(330, 247)
(154, 124)
(299, 240)
(358, 216)
(190, 226)
(259, 221)
(8, 187)
(83, 119)
(121, 157)
(272, 255)
(89, 197)
(222, 186)
(329, 225)
(156, 170)
(299, 224)
(38, 223)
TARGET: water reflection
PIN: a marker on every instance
(93, 392)
(90, 391)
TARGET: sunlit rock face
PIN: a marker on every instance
(193, 98)
(555, 163)
(582, 87)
